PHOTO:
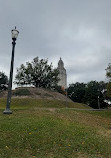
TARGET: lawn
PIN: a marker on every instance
(53, 132)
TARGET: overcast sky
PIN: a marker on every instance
(78, 31)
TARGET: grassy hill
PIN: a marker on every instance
(23, 98)
(40, 128)
(24, 103)
(38, 93)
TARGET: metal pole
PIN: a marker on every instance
(66, 98)
(7, 110)
(98, 103)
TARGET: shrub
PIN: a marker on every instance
(21, 92)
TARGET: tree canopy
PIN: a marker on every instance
(108, 75)
(3, 81)
(76, 92)
(108, 72)
(37, 73)
(90, 93)
(94, 95)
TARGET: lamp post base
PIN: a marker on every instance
(7, 111)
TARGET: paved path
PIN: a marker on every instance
(53, 109)
(86, 109)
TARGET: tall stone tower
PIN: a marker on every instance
(62, 74)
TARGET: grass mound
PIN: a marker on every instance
(37, 93)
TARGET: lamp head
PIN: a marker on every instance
(15, 34)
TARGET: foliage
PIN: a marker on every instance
(93, 91)
(76, 92)
(3, 81)
(21, 92)
(37, 73)
(108, 75)
(89, 93)
(109, 90)
(108, 72)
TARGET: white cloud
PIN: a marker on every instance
(77, 31)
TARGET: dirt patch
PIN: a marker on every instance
(104, 132)
(47, 109)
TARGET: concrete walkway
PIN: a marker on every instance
(86, 109)
(53, 109)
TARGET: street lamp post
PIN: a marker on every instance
(98, 99)
(98, 103)
(14, 37)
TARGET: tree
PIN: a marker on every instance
(108, 72)
(3, 81)
(95, 91)
(37, 73)
(88, 93)
(108, 75)
(109, 90)
(76, 92)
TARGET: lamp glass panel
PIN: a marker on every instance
(15, 34)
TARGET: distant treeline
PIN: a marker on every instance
(92, 93)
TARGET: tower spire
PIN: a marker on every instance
(62, 74)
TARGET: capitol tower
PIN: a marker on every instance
(62, 74)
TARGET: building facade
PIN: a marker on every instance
(62, 74)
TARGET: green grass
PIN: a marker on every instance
(105, 113)
(25, 103)
(53, 133)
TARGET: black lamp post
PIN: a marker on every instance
(98, 99)
(14, 37)
(98, 103)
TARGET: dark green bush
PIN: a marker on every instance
(21, 92)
